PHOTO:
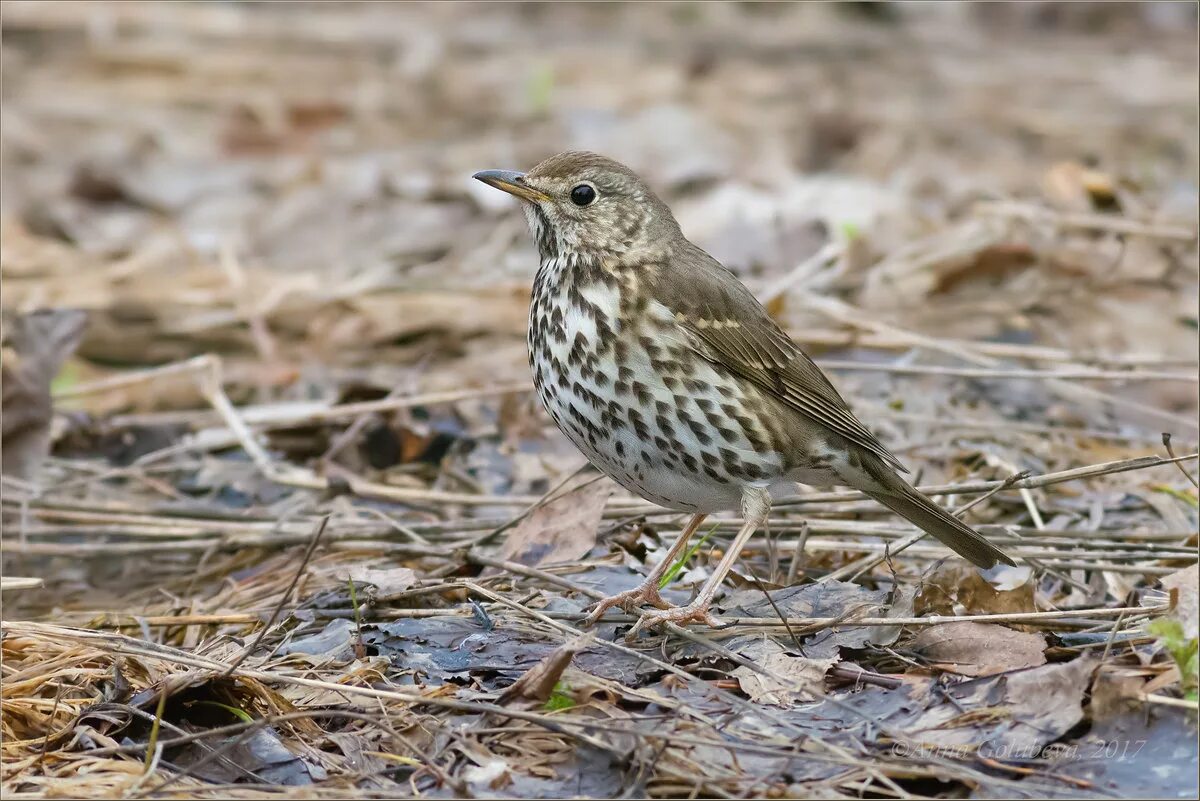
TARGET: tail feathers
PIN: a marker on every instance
(896, 494)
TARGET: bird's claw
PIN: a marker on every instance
(645, 594)
(692, 613)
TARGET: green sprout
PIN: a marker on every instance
(674, 570)
(240, 714)
(560, 698)
(1183, 495)
(1184, 650)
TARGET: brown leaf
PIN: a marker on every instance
(979, 649)
(957, 589)
(791, 674)
(559, 531)
(41, 342)
(1013, 714)
(990, 265)
(1185, 582)
(1049, 698)
(537, 684)
(387, 581)
(1072, 186)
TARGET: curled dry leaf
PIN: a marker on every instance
(1185, 583)
(902, 606)
(790, 674)
(41, 342)
(493, 774)
(979, 649)
(1014, 714)
(387, 581)
(561, 530)
(538, 683)
(958, 589)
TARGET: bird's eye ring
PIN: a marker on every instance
(583, 195)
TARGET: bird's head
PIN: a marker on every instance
(590, 207)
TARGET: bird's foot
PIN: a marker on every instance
(695, 612)
(647, 593)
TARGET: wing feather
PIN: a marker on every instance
(725, 323)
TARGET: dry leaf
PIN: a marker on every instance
(491, 775)
(1013, 714)
(1070, 185)
(796, 671)
(1048, 699)
(537, 684)
(902, 606)
(562, 530)
(387, 581)
(958, 589)
(1185, 581)
(979, 649)
(41, 342)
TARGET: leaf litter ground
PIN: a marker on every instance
(282, 518)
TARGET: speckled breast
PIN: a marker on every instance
(621, 381)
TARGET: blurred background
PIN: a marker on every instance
(288, 187)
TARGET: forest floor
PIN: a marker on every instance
(282, 518)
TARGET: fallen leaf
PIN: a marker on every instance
(41, 342)
(1005, 717)
(387, 580)
(957, 589)
(1072, 186)
(989, 266)
(828, 599)
(790, 673)
(1134, 749)
(561, 530)
(441, 649)
(262, 757)
(1047, 701)
(332, 642)
(537, 684)
(1185, 582)
(491, 775)
(902, 606)
(979, 649)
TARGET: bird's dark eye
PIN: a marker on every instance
(582, 195)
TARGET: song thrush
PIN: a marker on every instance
(669, 375)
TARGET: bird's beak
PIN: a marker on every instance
(513, 183)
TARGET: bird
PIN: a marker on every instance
(669, 375)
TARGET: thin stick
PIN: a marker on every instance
(1166, 440)
(214, 392)
(989, 373)
(1075, 616)
(1095, 222)
(845, 313)
(858, 338)
(312, 546)
(194, 365)
(799, 559)
(294, 415)
(1167, 700)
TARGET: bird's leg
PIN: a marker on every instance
(647, 592)
(756, 505)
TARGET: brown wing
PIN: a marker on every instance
(727, 325)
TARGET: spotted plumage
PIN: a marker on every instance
(670, 376)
